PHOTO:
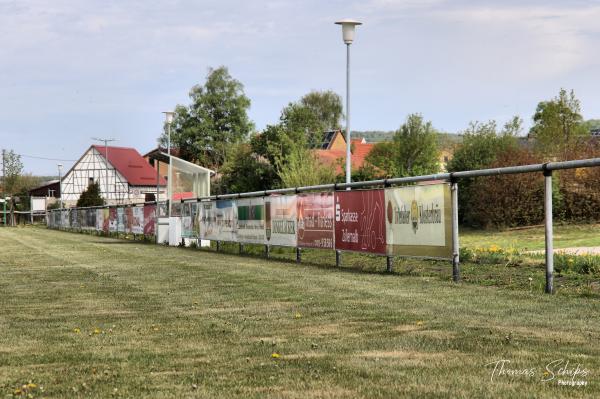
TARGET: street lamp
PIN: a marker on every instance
(169, 120)
(348, 27)
(60, 184)
(106, 141)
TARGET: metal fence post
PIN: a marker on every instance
(218, 245)
(298, 255)
(267, 251)
(338, 258)
(455, 243)
(548, 225)
(389, 263)
(241, 248)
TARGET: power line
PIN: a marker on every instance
(47, 159)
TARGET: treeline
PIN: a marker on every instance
(214, 130)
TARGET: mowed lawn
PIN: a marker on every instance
(86, 316)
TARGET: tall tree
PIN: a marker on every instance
(13, 169)
(558, 124)
(302, 168)
(217, 118)
(315, 113)
(482, 144)
(413, 151)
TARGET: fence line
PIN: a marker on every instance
(452, 178)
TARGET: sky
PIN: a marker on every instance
(73, 70)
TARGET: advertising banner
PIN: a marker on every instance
(360, 221)
(195, 219)
(251, 220)
(418, 221)
(90, 219)
(137, 223)
(149, 219)
(280, 220)
(112, 220)
(120, 220)
(99, 219)
(218, 220)
(128, 219)
(105, 222)
(315, 220)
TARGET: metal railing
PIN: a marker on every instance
(453, 178)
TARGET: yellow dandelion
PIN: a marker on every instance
(31, 385)
(275, 355)
(494, 248)
(97, 331)
(297, 315)
(419, 323)
(76, 330)
(17, 392)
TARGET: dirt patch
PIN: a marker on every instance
(322, 329)
(401, 354)
(305, 355)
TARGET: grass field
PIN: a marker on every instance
(87, 316)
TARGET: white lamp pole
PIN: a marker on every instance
(169, 119)
(60, 184)
(348, 27)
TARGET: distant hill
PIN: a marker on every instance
(377, 136)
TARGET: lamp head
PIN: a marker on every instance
(348, 26)
(169, 116)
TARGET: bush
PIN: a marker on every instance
(507, 200)
(586, 264)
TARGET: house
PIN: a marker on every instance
(123, 175)
(333, 151)
(49, 189)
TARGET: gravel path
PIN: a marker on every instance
(573, 251)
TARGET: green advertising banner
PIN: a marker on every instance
(419, 221)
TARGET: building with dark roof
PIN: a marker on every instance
(123, 175)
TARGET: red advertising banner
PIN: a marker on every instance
(360, 221)
(149, 216)
(315, 220)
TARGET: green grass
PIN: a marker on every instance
(87, 316)
(565, 236)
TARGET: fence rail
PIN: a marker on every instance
(197, 216)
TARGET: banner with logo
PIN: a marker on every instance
(186, 220)
(360, 221)
(112, 221)
(280, 220)
(137, 223)
(128, 219)
(251, 220)
(315, 220)
(99, 219)
(149, 219)
(419, 221)
(218, 220)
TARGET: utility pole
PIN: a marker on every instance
(4, 186)
(106, 141)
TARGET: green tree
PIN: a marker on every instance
(315, 113)
(245, 171)
(558, 125)
(13, 169)
(90, 196)
(413, 151)
(302, 168)
(482, 143)
(217, 118)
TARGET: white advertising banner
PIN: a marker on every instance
(251, 220)
(418, 221)
(218, 220)
(137, 224)
(280, 220)
(99, 219)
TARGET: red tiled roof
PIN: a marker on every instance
(359, 153)
(129, 163)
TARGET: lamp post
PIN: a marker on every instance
(106, 141)
(60, 184)
(169, 120)
(348, 27)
